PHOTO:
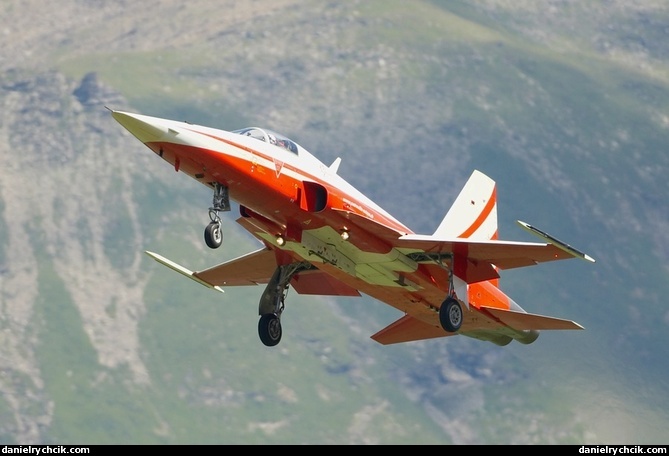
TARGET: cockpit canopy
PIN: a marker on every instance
(270, 137)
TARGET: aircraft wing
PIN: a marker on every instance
(502, 254)
(250, 269)
(255, 268)
(479, 259)
(484, 257)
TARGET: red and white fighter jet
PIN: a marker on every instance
(321, 236)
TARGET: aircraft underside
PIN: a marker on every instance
(323, 261)
(323, 237)
(325, 248)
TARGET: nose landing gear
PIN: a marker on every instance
(212, 232)
(213, 235)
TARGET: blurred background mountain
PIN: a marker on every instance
(564, 103)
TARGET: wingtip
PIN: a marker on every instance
(556, 242)
(182, 270)
(153, 255)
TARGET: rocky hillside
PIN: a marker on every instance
(565, 104)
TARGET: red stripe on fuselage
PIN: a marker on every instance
(334, 193)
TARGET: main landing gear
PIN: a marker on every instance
(450, 312)
(272, 302)
(221, 202)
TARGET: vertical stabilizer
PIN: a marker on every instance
(473, 215)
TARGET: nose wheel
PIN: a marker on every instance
(213, 236)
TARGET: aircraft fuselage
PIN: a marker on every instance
(329, 238)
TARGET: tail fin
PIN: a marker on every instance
(473, 215)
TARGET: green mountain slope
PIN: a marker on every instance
(564, 105)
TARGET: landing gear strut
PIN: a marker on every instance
(272, 302)
(450, 312)
(221, 202)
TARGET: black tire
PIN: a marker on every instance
(269, 329)
(213, 235)
(450, 315)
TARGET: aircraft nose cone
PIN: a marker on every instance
(144, 128)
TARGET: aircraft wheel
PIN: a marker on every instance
(213, 235)
(269, 329)
(450, 315)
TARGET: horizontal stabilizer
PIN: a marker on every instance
(181, 270)
(522, 321)
(408, 329)
(483, 323)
